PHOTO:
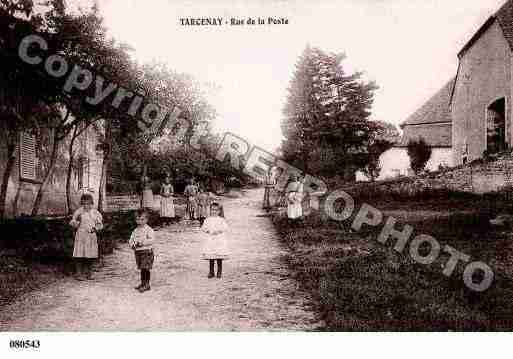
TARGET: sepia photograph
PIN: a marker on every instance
(260, 166)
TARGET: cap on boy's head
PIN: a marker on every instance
(86, 198)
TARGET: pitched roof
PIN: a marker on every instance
(505, 18)
(435, 110)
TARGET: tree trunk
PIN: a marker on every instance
(106, 158)
(11, 160)
(70, 171)
(48, 175)
(16, 200)
(306, 158)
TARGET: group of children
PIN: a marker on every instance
(88, 221)
(198, 202)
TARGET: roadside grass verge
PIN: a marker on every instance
(359, 284)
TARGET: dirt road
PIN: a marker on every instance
(256, 292)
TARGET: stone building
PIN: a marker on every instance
(432, 122)
(481, 96)
(471, 115)
(31, 163)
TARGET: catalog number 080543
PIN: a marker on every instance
(24, 344)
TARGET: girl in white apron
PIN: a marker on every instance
(87, 220)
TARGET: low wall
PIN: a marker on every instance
(477, 177)
(123, 203)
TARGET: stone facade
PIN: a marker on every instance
(484, 76)
(85, 178)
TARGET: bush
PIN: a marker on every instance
(419, 153)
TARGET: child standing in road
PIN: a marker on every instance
(215, 248)
(87, 221)
(141, 241)
(204, 201)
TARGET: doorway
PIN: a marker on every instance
(496, 127)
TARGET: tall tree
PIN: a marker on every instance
(170, 149)
(82, 39)
(326, 109)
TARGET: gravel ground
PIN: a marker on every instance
(256, 292)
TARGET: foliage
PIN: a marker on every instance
(383, 139)
(171, 152)
(419, 153)
(25, 100)
(326, 110)
(34, 101)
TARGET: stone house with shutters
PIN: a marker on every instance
(31, 163)
(481, 96)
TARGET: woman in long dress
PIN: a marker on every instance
(147, 196)
(167, 207)
(294, 199)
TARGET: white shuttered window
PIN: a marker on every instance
(28, 160)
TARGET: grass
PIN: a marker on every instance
(359, 284)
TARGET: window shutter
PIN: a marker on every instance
(28, 159)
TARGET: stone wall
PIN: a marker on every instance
(123, 203)
(479, 176)
(396, 162)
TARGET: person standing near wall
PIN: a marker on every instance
(204, 202)
(167, 207)
(269, 185)
(294, 199)
(147, 195)
(191, 193)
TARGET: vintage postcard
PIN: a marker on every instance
(255, 166)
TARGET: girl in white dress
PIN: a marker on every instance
(215, 247)
(167, 207)
(87, 221)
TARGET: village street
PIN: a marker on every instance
(255, 293)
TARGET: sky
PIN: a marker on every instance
(408, 47)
